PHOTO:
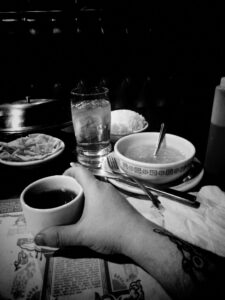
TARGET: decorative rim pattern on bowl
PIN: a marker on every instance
(153, 172)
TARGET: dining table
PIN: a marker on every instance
(32, 272)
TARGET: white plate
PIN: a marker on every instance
(180, 186)
(34, 162)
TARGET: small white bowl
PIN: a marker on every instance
(157, 173)
(125, 122)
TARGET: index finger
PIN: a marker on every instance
(83, 176)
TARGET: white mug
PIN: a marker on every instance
(37, 217)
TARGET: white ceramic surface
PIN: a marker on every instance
(115, 137)
(154, 172)
(177, 185)
(38, 219)
(125, 122)
(34, 162)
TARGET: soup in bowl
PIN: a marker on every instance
(134, 154)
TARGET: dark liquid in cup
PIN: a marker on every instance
(49, 199)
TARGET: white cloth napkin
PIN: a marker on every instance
(204, 227)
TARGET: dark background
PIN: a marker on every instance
(160, 58)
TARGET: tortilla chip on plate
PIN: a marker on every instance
(36, 146)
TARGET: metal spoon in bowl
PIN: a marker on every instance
(160, 138)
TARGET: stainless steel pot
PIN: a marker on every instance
(28, 115)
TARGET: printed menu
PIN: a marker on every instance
(29, 272)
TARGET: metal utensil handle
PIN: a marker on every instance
(174, 193)
(160, 138)
(163, 191)
(181, 197)
(154, 200)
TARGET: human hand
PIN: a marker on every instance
(106, 221)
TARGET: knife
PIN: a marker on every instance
(172, 194)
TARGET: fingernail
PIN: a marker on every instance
(39, 240)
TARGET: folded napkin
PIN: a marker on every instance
(204, 227)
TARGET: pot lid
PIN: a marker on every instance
(33, 114)
(27, 102)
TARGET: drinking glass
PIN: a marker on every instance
(91, 115)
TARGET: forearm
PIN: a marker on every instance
(181, 268)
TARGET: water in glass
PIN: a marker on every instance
(91, 114)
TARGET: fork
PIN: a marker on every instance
(115, 169)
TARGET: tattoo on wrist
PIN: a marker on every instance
(195, 261)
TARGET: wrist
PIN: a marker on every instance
(134, 233)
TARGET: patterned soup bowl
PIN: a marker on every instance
(135, 156)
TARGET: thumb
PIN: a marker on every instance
(59, 236)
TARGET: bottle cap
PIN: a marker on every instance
(222, 82)
(218, 109)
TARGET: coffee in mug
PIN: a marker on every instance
(50, 201)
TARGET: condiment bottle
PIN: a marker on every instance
(215, 153)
